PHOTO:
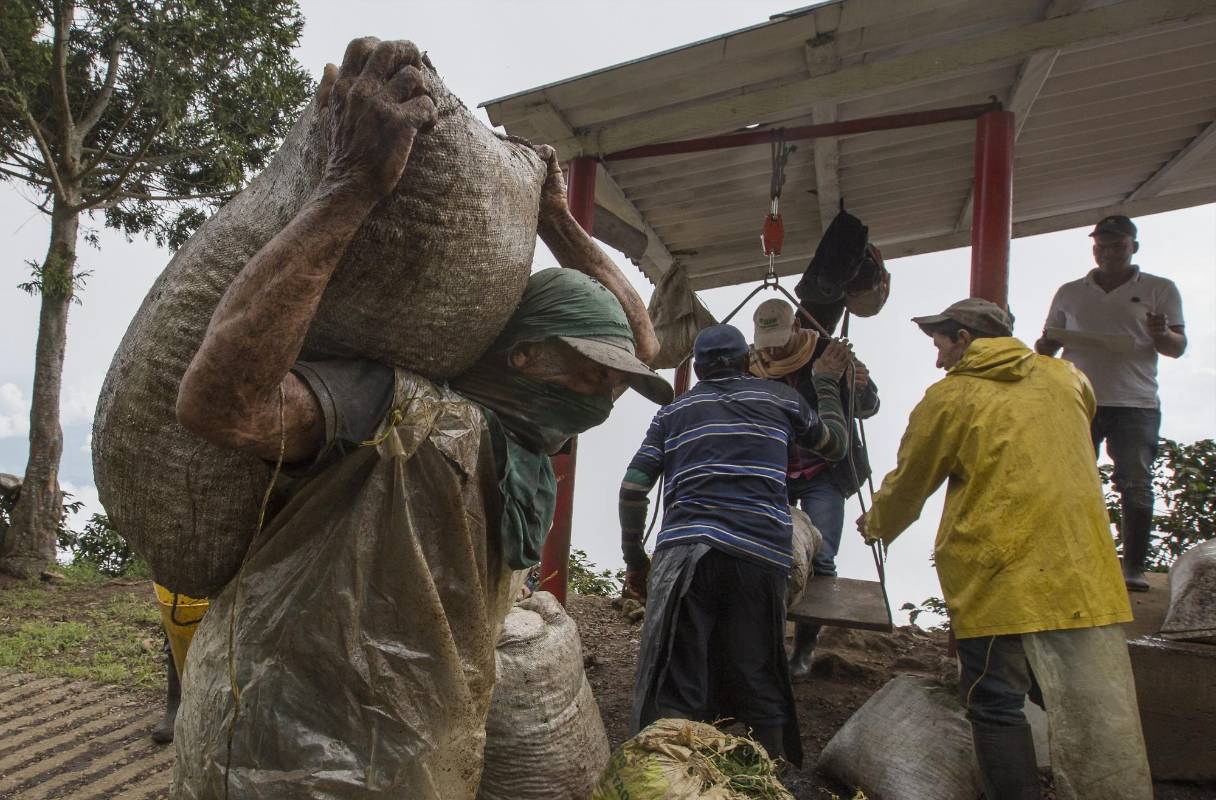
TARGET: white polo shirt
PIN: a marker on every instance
(1128, 380)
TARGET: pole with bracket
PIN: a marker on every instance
(555, 558)
(992, 219)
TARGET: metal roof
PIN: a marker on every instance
(1115, 103)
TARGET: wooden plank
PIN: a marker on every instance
(1155, 43)
(1162, 111)
(994, 49)
(843, 602)
(1129, 92)
(1152, 66)
(1187, 159)
(827, 166)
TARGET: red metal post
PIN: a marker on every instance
(683, 376)
(555, 559)
(992, 216)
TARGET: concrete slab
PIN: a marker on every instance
(1176, 688)
(844, 602)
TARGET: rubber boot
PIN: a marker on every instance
(1135, 530)
(773, 739)
(1007, 764)
(805, 636)
(163, 732)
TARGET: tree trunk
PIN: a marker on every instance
(29, 545)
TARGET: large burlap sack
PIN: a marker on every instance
(676, 758)
(910, 741)
(1192, 614)
(678, 316)
(544, 735)
(807, 541)
(430, 279)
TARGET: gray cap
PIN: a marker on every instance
(974, 313)
(616, 352)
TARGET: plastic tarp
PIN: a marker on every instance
(1093, 719)
(544, 736)
(1192, 612)
(678, 317)
(360, 633)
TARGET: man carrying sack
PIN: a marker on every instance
(713, 642)
(353, 654)
(1025, 558)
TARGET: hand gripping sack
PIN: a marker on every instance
(429, 280)
(544, 735)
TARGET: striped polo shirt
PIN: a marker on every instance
(722, 449)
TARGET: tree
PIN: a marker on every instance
(1184, 482)
(149, 113)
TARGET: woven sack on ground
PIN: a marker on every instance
(430, 279)
(1192, 614)
(806, 542)
(544, 736)
(677, 758)
(910, 741)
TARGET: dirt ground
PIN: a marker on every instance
(849, 667)
(76, 711)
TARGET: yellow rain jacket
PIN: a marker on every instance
(1024, 543)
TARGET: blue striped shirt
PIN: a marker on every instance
(723, 448)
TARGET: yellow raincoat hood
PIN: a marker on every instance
(1024, 543)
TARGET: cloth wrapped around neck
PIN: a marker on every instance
(762, 365)
(530, 419)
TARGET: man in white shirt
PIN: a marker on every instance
(1112, 324)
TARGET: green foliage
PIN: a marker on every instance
(99, 546)
(585, 579)
(55, 279)
(175, 103)
(115, 640)
(933, 606)
(1184, 482)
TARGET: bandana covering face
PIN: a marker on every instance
(529, 419)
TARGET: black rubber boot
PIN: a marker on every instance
(163, 732)
(773, 739)
(1135, 530)
(805, 636)
(1007, 763)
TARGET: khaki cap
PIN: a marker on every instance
(974, 313)
(774, 323)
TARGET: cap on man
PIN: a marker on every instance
(784, 351)
(1136, 316)
(1024, 555)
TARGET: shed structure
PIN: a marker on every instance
(1106, 107)
(1114, 104)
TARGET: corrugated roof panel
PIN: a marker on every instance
(1102, 120)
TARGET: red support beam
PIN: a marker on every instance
(555, 559)
(683, 376)
(910, 119)
(992, 216)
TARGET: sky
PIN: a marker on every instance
(488, 49)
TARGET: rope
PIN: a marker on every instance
(234, 688)
(877, 549)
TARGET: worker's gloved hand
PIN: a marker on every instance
(379, 104)
(637, 570)
(553, 204)
(834, 359)
(635, 581)
(861, 528)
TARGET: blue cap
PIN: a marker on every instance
(719, 346)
